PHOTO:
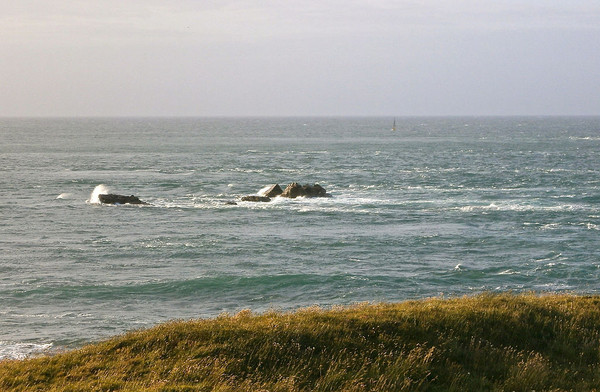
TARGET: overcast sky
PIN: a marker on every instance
(312, 57)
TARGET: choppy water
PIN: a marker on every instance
(446, 206)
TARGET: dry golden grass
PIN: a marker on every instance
(484, 343)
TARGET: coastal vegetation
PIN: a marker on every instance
(489, 342)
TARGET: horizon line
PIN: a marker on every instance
(164, 116)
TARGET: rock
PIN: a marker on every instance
(231, 203)
(296, 190)
(119, 199)
(318, 191)
(273, 191)
(256, 198)
(292, 191)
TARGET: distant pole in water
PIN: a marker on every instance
(394, 126)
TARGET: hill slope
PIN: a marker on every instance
(487, 342)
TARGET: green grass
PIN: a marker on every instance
(485, 343)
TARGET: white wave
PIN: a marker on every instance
(304, 204)
(508, 272)
(489, 207)
(258, 152)
(584, 138)
(590, 226)
(12, 350)
(550, 226)
(64, 196)
(551, 287)
(352, 203)
(98, 190)
(519, 207)
(551, 257)
(245, 170)
(205, 202)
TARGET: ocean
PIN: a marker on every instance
(440, 207)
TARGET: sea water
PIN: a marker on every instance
(439, 207)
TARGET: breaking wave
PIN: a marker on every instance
(98, 190)
(12, 350)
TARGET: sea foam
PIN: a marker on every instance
(98, 190)
(11, 350)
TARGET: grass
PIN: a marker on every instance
(502, 342)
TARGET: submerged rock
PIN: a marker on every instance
(256, 198)
(119, 199)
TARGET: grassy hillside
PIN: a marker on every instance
(488, 342)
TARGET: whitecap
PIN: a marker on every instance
(590, 226)
(98, 190)
(553, 287)
(244, 170)
(519, 207)
(550, 226)
(64, 195)
(66, 315)
(472, 208)
(15, 350)
(554, 256)
(594, 138)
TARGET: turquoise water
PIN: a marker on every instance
(442, 206)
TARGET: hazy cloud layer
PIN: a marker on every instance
(318, 58)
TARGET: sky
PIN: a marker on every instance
(297, 58)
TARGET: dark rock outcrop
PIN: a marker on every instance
(256, 198)
(291, 191)
(296, 190)
(119, 199)
(273, 191)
